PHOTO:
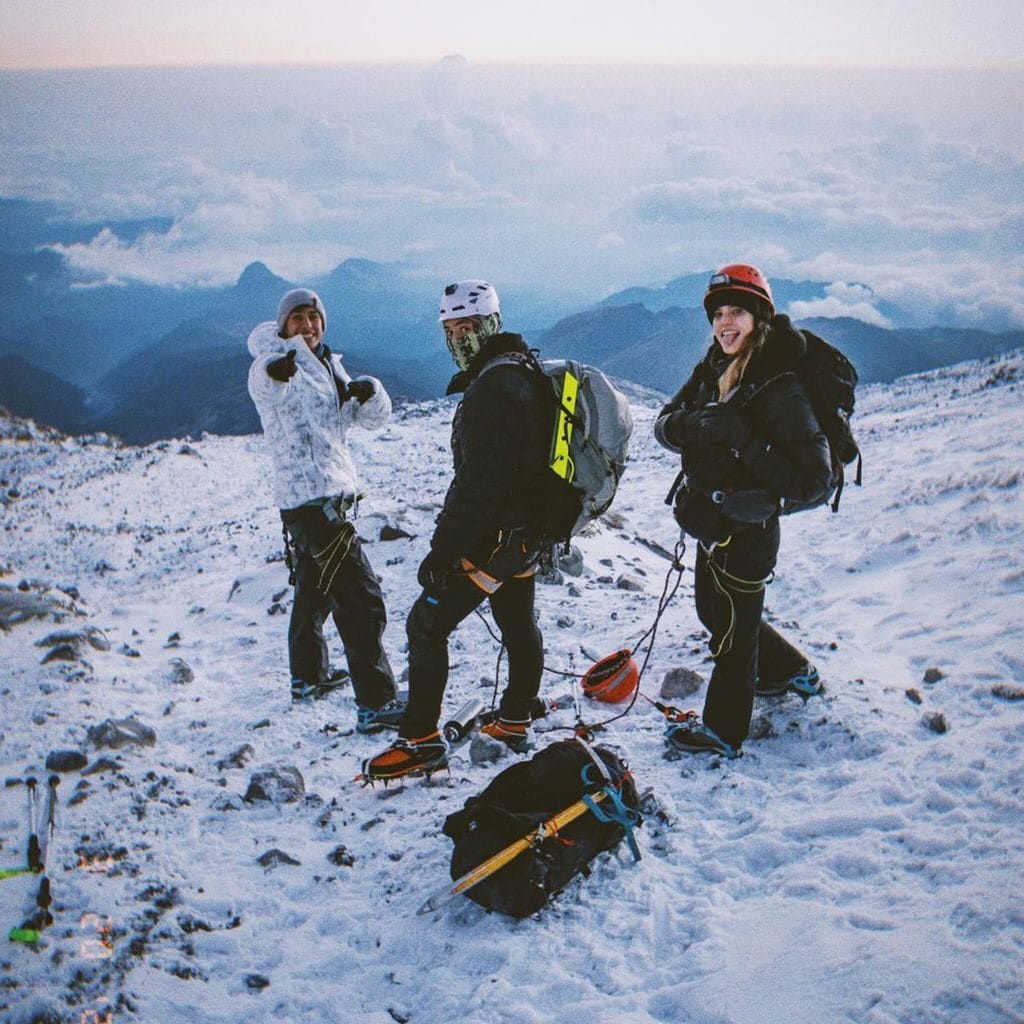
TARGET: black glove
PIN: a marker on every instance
(360, 390)
(283, 369)
(720, 425)
(432, 573)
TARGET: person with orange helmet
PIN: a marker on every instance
(749, 441)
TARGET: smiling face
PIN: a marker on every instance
(733, 327)
(305, 320)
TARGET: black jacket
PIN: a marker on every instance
(500, 437)
(785, 456)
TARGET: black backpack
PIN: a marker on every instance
(830, 380)
(523, 797)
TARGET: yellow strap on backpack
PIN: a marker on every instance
(561, 463)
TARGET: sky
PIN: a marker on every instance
(105, 33)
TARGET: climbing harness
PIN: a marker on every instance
(727, 584)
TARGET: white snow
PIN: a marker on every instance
(852, 866)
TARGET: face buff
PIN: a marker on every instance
(467, 343)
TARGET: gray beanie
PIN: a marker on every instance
(293, 300)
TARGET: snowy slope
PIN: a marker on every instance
(854, 865)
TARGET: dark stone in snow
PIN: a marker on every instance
(281, 785)
(572, 563)
(680, 682)
(102, 764)
(62, 652)
(340, 856)
(272, 858)
(933, 675)
(180, 672)
(238, 759)
(936, 721)
(914, 696)
(66, 761)
(257, 982)
(627, 582)
(122, 732)
(394, 533)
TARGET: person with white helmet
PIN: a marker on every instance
(484, 546)
(307, 401)
(749, 440)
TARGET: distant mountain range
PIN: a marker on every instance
(146, 362)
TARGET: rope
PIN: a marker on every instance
(738, 586)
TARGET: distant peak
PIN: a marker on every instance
(258, 275)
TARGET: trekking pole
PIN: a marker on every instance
(31, 930)
(33, 858)
(498, 860)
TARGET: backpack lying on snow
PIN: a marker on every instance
(590, 429)
(520, 800)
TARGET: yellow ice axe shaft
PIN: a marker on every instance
(496, 862)
(561, 463)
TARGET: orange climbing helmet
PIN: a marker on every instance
(743, 285)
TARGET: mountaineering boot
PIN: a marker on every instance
(806, 683)
(514, 734)
(408, 757)
(374, 720)
(695, 737)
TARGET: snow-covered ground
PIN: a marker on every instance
(856, 864)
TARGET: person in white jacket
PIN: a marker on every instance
(306, 401)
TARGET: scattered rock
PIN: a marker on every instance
(272, 858)
(180, 673)
(122, 732)
(914, 696)
(62, 652)
(761, 728)
(627, 582)
(574, 591)
(485, 750)
(279, 785)
(257, 982)
(238, 759)
(1008, 692)
(571, 563)
(680, 682)
(936, 721)
(102, 764)
(394, 533)
(340, 856)
(564, 622)
(66, 761)
(550, 576)
(933, 675)
(90, 635)
(614, 520)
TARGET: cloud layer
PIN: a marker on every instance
(579, 180)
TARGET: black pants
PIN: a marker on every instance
(730, 604)
(333, 574)
(432, 620)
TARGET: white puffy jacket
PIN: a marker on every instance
(304, 420)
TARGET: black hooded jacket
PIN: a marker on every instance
(786, 456)
(500, 439)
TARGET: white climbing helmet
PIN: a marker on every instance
(468, 298)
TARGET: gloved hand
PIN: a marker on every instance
(283, 369)
(360, 390)
(718, 424)
(432, 573)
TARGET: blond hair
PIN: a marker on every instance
(732, 377)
